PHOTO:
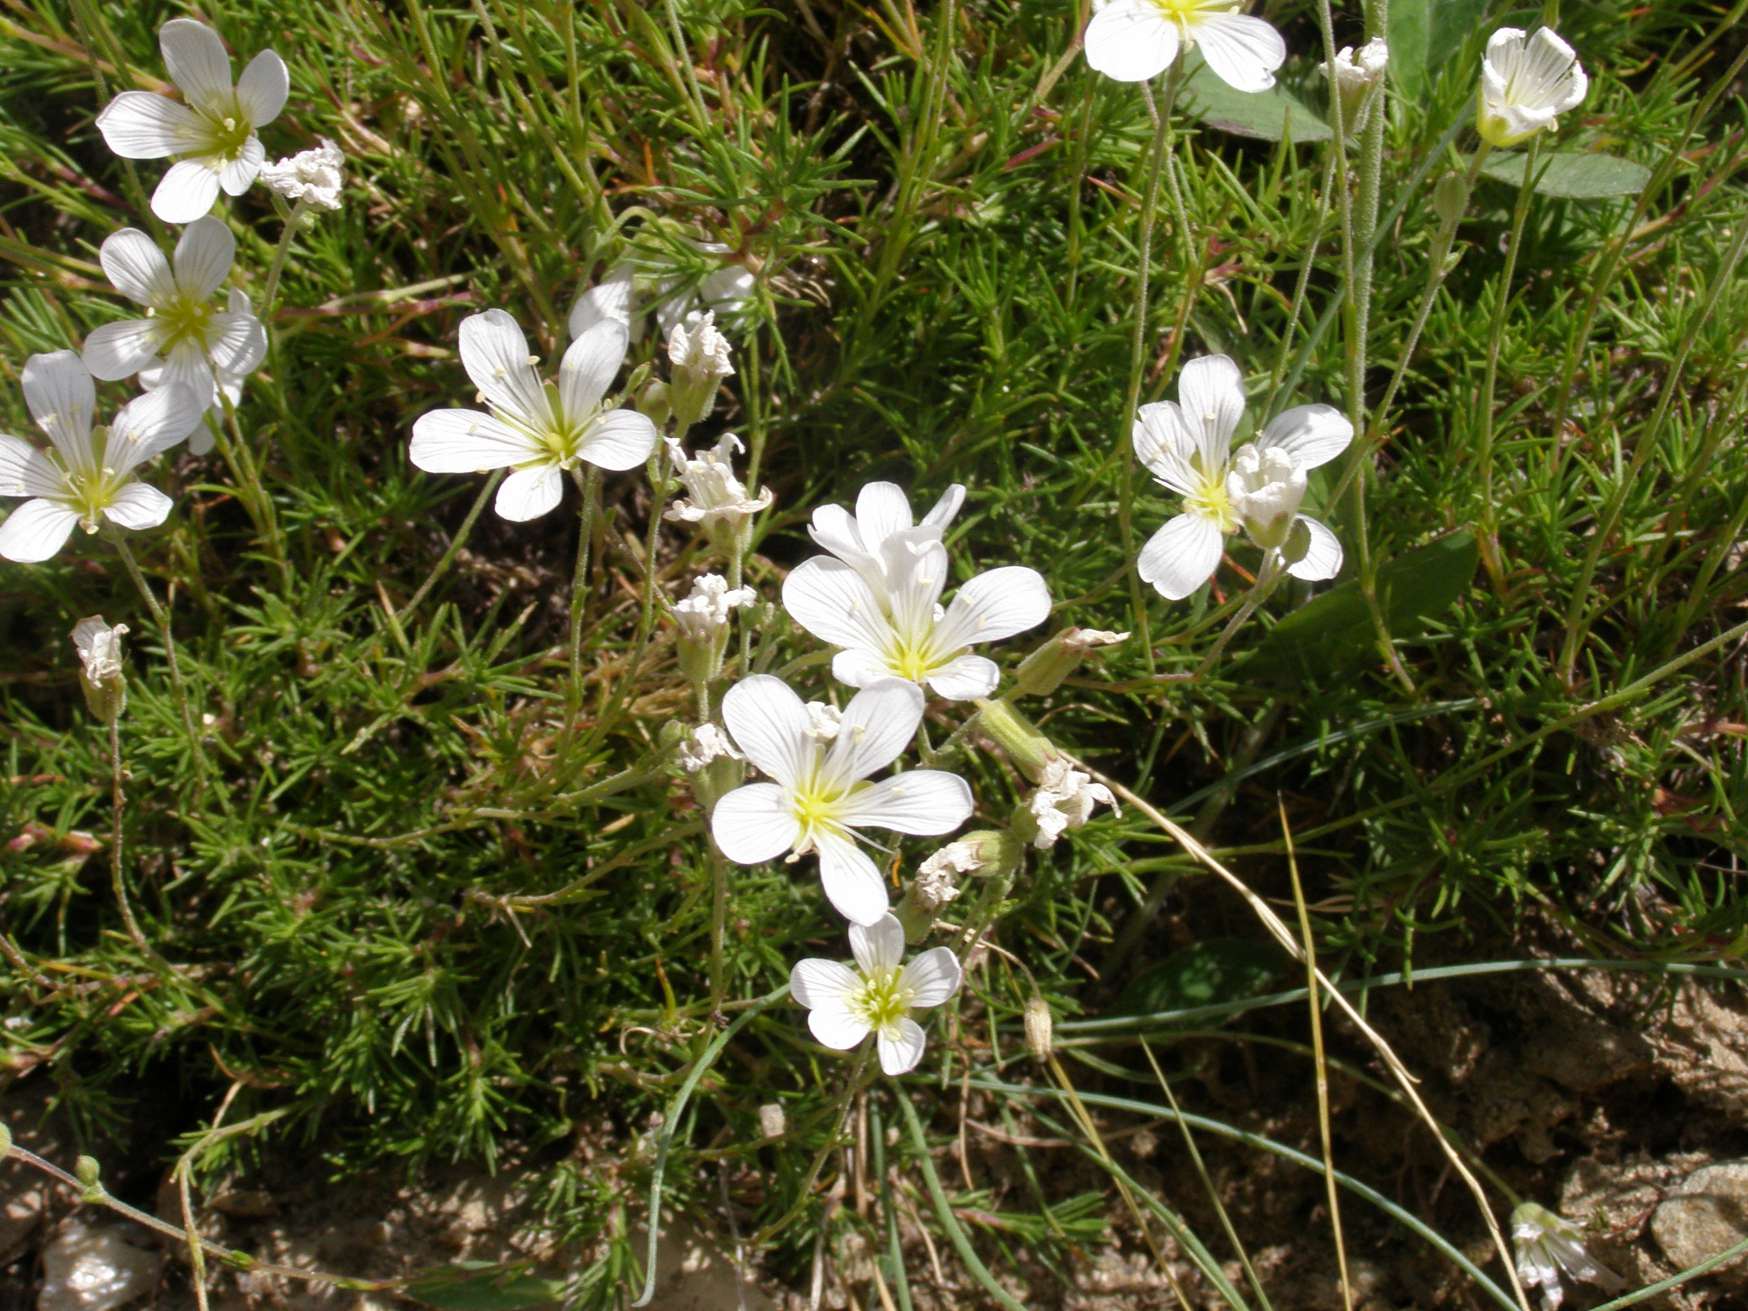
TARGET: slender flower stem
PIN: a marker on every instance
(271, 294)
(1267, 578)
(1487, 534)
(1138, 351)
(455, 544)
(117, 803)
(718, 928)
(178, 688)
(590, 483)
(252, 492)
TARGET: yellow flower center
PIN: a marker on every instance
(911, 659)
(882, 1002)
(90, 490)
(1186, 13)
(1210, 501)
(228, 130)
(181, 319)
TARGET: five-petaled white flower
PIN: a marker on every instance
(882, 511)
(537, 429)
(905, 633)
(845, 1005)
(213, 133)
(1527, 82)
(315, 176)
(719, 499)
(1187, 446)
(88, 477)
(184, 338)
(819, 793)
(1135, 40)
(1543, 1245)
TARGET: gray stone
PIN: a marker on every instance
(1705, 1215)
(92, 1267)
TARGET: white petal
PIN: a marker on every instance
(26, 471)
(151, 424)
(770, 726)
(1163, 442)
(830, 600)
(186, 192)
(1130, 41)
(946, 508)
(877, 947)
(465, 441)
(837, 1027)
(919, 801)
(35, 531)
(262, 89)
(933, 977)
(203, 258)
(136, 267)
(902, 1048)
(588, 368)
(236, 343)
(495, 354)
(1210, 393)
(754, 824)
(882, 509)
(529, 493)
(187, 364)
(120, 350)
(235, 176)
(1322, 559)
(197, 62)
(618, 440)
(834, 528)
(1242, 50)
(61, 396)
(964, 679)
(1311, 434)
(994, 605)
(876, 727)
(607, 301)
(856, 668)
(852, 884)
(817, 983)
(140, 125)
(138, 506)
(1181, 556)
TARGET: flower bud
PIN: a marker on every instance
(1450, 197)
(100, 672)
(1265, 488)
(700, 356)
(90, 1174)
(702, 618)
(1029, 749)
(1042, 672)
(1358, 78)
(312, 177)
(653, 403)
(1038, 1027)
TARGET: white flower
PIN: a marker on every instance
(703, 745)
(184, 337)
(1188, 447)
(88, 476)
(905, 633)
(697, 347)
(1544, 1245)
(213, 133)
(824, 721)
(936, 883)
(882, 512)
(724, 291)
(719, 498)
(315, 176)
(705, 612)
(100, 669)
(819, 794)
(538, 429)
(845, 1005)
(608, 301)
(1065, 799)
(1356, 73)
(1134, 40)
(1526, 83)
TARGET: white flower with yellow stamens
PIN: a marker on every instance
(538, 429)
(1187, 445)
(882, 512)
(88, 476)
(212, 132)
(819, 793)
(845, 1005)
(1135, 40)
(1527, 82)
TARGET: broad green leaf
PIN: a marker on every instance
(1213, 970)
(1267, 115)
(1423, 36)
(1333, 633)
(1572, 176)
(485, 1286)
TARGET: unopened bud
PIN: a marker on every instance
(100, 670)
(1450, 197)
(1014, 733)
(772, 1122)
(654, 404)
(1042, 672)
(1038, 1028)
(90, 1174)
